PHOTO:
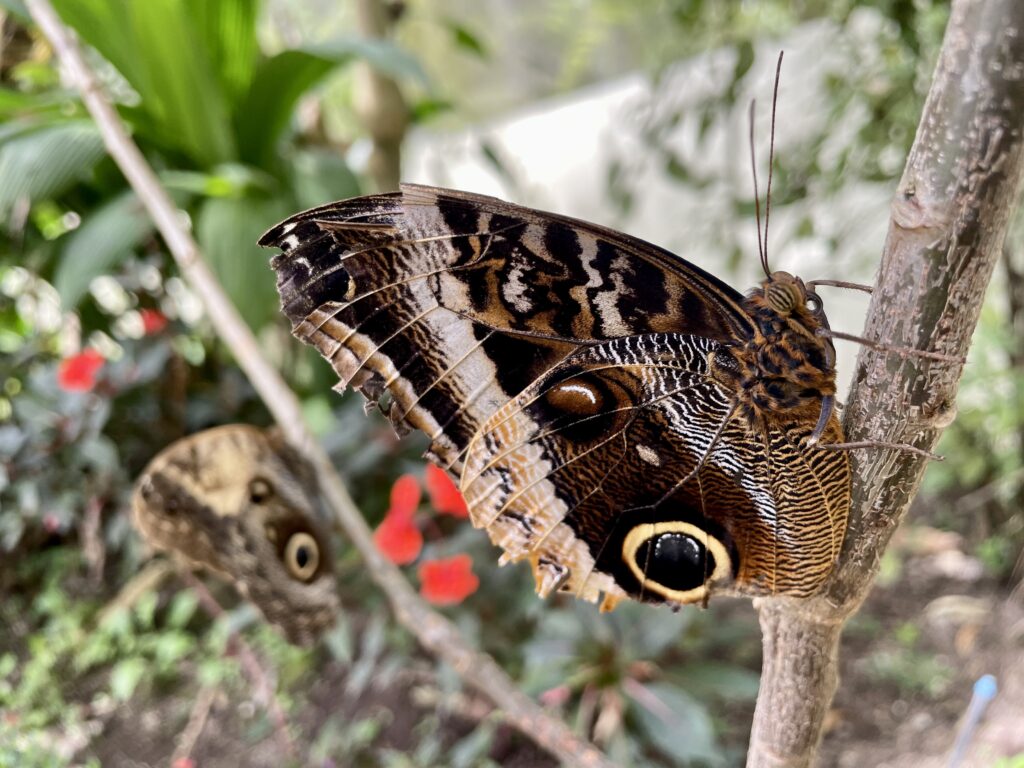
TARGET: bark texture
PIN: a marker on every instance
(949, 219)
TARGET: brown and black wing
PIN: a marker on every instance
(624, 473)
(454, 303)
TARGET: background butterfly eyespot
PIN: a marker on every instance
(302, 556)
(260, 490)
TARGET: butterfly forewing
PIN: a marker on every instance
(454, 303)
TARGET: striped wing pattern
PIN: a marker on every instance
(455, 303)
(563, 373)
(569, 491)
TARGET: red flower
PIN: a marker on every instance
(405, 497)
(444, 495)
(153, 321)
(398, 539)
(448, 581)
(78, 372)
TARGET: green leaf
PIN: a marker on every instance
(678, 725)
(465, 39)
(228, 28)
(105, 237)
(227, 229)
(160, 49)
(281, 80)
(265, 112)
(125, 677)
(320, 175)
(41, 163)
(182, 608)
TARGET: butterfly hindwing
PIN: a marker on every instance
(621, 473)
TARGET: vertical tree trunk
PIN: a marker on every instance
(379, 102)
(949, 218)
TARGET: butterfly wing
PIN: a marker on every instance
(237, 501)
(454, 303)
(621, 473)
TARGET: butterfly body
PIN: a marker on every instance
(616, 416)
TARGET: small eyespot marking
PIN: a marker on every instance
(302, 556)
(260, 490)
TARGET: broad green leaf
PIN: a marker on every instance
(319, 176)
(159, 49)
(39, 164)
(266, 110)
(228, 28)
(281, 80)
(228, 229)
(106, 236)
(677, 724)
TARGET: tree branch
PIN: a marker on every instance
(378, 101)
(949, 218)
(433, 631)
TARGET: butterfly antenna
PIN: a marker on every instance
(771, 164)
(757, 195)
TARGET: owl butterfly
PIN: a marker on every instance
(623, 420)
(237, 501)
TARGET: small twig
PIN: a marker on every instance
(196, 722)
(433, 631)
(250, 662)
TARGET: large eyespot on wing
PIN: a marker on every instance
(582, 476)
(236, 501)
(454, 303)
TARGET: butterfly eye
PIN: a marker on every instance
(813, 303)
(302, 556)
(260, 490)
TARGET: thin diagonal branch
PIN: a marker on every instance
(434, 632)
(949, 218)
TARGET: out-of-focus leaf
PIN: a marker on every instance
(228, 28)
(105, 237)
(159, 49)
(228, 229)
(464, 38)
(228, 180)
(125, 676)
(678, 725)
(266, 110)
(282, 79)
(16, 8)
(319, 176)
(708, 679)
(15, 104)
(42, 163)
